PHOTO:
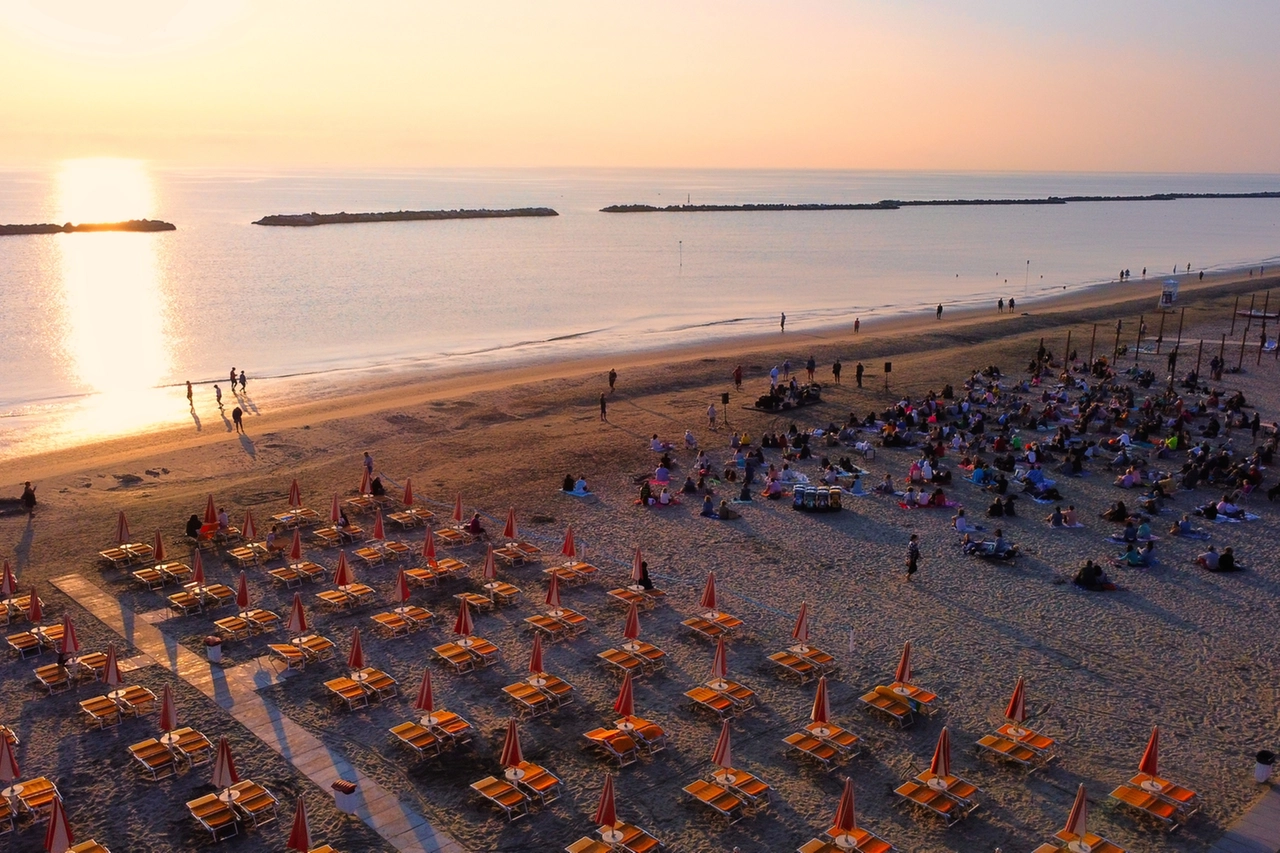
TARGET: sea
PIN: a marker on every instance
(101, 331)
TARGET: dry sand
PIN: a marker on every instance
(1191, 651)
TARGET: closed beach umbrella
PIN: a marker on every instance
(511, 754)
(720, 663)
(402, 587)
(625, 703)
(335, 511)
(250, 530)
(197, 570)
(168, 711)
(300, 835)
(366, 485)
(295, 551)
(379, 532)
(242, 592)
(846, 820)
(637, 564)
(8, 583)
(69, 645)
(462, 625)
(426, 698)
(606, 812)
(210, 512)
(224, 767)
(157, 550)
(569, 548)
(111, 670)
(408, 492)
(509, 531)
(1150, 763)
(631, 630)
(457, 509)
(122, 529)
(821, 711)
(723, 755)
(343, 576)
(35, 613)
(709, 593)
(355, 660)
(1017, 710)
(429, 549)
(902, 674)
(58, 837)
(535, 656)
(295, 495)
(490, 572)
(1078, 820)
(553, 591)
(941, 763)
(297, 623)
(801, 630)
(9, 771)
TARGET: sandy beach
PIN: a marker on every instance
(1188, 650)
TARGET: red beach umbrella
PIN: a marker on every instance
(625, 703)
(9, 583)
(168, 713)
(902, 674)
(366, 485)
(426, 698)
(111, 671)
(429, 549)
(210, 513)
(402, 587)
(606, 812)
(242, 592)
(1150, 763)
(709, 593)
(462, 626)
(553, 591)
(295, 552)
(197, 570)
(157, 550)
(343, 576)
(295, 495)
(821, 711)
(509, 531)
(69, 645)
(300, 835)
(335, 512)
(720, 663)
(1078, 820)
(631, 630)
(58, 837)
(511, 754)
(941, 763)
(9, 770)
(801, 630)
(535, 657)
(250, 530)
(408, 492)
(457, 509)
(297, 623)
(224, 767)
(569, 548)
(723, 755)
(636, 563)
(846, 821)
(355, 660)
(122, 529)
(379, 532)
(490, 572)
(1017, 710)
(35, 613)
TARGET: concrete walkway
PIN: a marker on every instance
(236, 690)
(1258, 831)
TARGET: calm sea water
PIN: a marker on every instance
(99, 330)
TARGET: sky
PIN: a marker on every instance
(1085, 85)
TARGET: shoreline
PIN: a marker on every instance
(389, 388)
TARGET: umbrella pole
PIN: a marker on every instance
(1199, 352)
(1160, 332)
(1091, 340)
(1243, 342)
(1138, 346)
(1115, 349)
(1066, 353)
(1234, 312)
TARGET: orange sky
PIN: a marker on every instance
(989, 84)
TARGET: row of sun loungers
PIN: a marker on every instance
(723, 698)
(132, 701)
(183, 747)
(731, 794)
(805, 662)
(250, 805)
(356, 690)
(466, 656)
(300, 651)
(826, 743)
(1160, 800)
(533, 784)
(559, 624)
(539, 695)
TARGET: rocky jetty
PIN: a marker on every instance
(894, 204)
(68, 228)
(306, 220)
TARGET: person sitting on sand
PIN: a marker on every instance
(708, 508)
(1093, 578)
(567, 486)
(659, 446)
(998, 546)
(1118, 512)
(996, 510)
(909, 499)
(937, 499)
(1144, 532)
(1069, 517)
(1130, 533)
(1008, 506)
(1209, 559)
(1055, 518)
(726, 512)
(961, 523)
(1227, 561)
(689, 487)
(580, 486)
(475, 528)
(772, 489)
(646, 493)
(662, 474)
(999, 485)
(745, 495)
(969, 546)
(1229, 509)
(645, 581)
(885, 486)
(664, 497)
(193, 527)
(1148, 552)
(376, 488)
(855, 488)
(690, 443)
(1132, 557)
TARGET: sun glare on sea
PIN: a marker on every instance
(113, 299)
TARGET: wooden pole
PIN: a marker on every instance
(1234, 312)
(1181, 317)
(1066, 353)
(1243, 343)
(1249, 320)
(1137, 346)
(1222, 350)
(1160, 333)
(1115, 349)
(1262, 343)
(1199, 353)
(1091, 340)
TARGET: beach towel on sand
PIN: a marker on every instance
(1222, 519)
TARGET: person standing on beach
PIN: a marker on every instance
(217, 395)
(810, 366)
(786, 370)
(835, 370)
(233, 380)
(29, 491)
(1000, 305)
(190, 402)
(737, 378)
(857, 324)
(604, 409)
(238, 416)
(773, 378)
(783, 324)
(858, 371)
(939, 310)
(913, 555)
(613, 378)
(368, 463)
(1010, 304)
(711, 416)
(244, 383)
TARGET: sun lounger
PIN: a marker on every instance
(49, 635)
(377, 683)
(503, 795)
(418, 738)
(615, 744)
(422, 577)
(9, 817)
(191, 746)
(135, 700)
(705, 628)
(37, 796)
(636, 840)
(825, 663)
(452, 537)
(621, 662)
(290, 654)
(814, 748)
(449, 725)
(334, 599)
(54, 678)
(148, 578)
(417, 616)
(625, 597)
(653, 658)
(116, 558)
(1148, 805)
(742, 696)
(587, 844)
(891, 704)
(447, 567)
(215, 595)
(753, 791)
(360, 593)
(553, 629)
(245, 556)
(1095, 843)
(863, 841)
(509, 555)
(24, 643)
(923, 700)
(556, 689)
(154, 758)
(406, 520)
(647, 734)
(349, 692)
(934, 802)
(316, 647)
(794, 665)
(287, 576)
(475, 601)
(393, 624)
(102, 711)
(719, 704)
(1185, 800)
(958, 789)
(327, 536)
(214, 815)
(309, 571)
(845, 742)
(178, 573)
(572, 574)
(233, 628)
(371, 556)
(502, 592)
(538, 783)
(484, 652)
(1009, 750)
(184, 603)
(89, 667)
(720, 800)
(456, 656)
(573, 621)
(1034, 741)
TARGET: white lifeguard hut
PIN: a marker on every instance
(1168, 294)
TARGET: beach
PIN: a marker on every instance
(1178, 647)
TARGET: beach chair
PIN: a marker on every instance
(393, 624)
(287, 576)
(334, 599)
(115, 558)
(794, 665)
(90, 667)
(621, 663)
(1095, 843)
(741, 696)
(483, 652)
(502, 592)
(718, 799)
(1008, 750)
(480, 603)
(406, 520)
(845, 742)
(456, 656)
(934, 802)
(214, 815)
(244, 556)
(191, 746)
(135, 700)
(753, 791)
(393, 550)
(232, 628)
(714, 701)
(625, 597)
(289, 654)
(316, 647)
(309, 571)
(24, 643)
(615, 744)
(49, 635)
(148, 578)
(371, 556)
(652, 657)
(814, 749)
(1148, 805)
(587, 844)
(705, 628)
(418, 738)
(919, 698)
(184, 603)
(54, 678)
(360, 593)
(636, 840)
(154, 759)
(539, 783)
(178, 573)
(262, 621)
(957, 789)
(503, 795)
(348, 692)
(1034, 741)
(452, 727)
(566, 575)
(825, 663)
(447, 567)
(422, 577)
(37, 796)
(452, 537)
(553, 629)
(377, 683)
(556, 689)
(101, 711)
(9, 817)
(864, 842)
(216, 595)
(327, 537)
(575, 623)
(649, 735)
(1185, 800)
(892, 705)
(530, 701)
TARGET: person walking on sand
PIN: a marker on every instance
(711, 416)
(368, 463)
(604, 409)
(217, 395)
(244, 383)
(857, 372)
(737, 378)
(773, 378)
(1010, 304)
(1000, 305)
(913, 555)
(835, 370)
(939, 310)
(810, 366)
(783, 324)
(613, 378)
(190, 402)
(233, 380)
(238, 417)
